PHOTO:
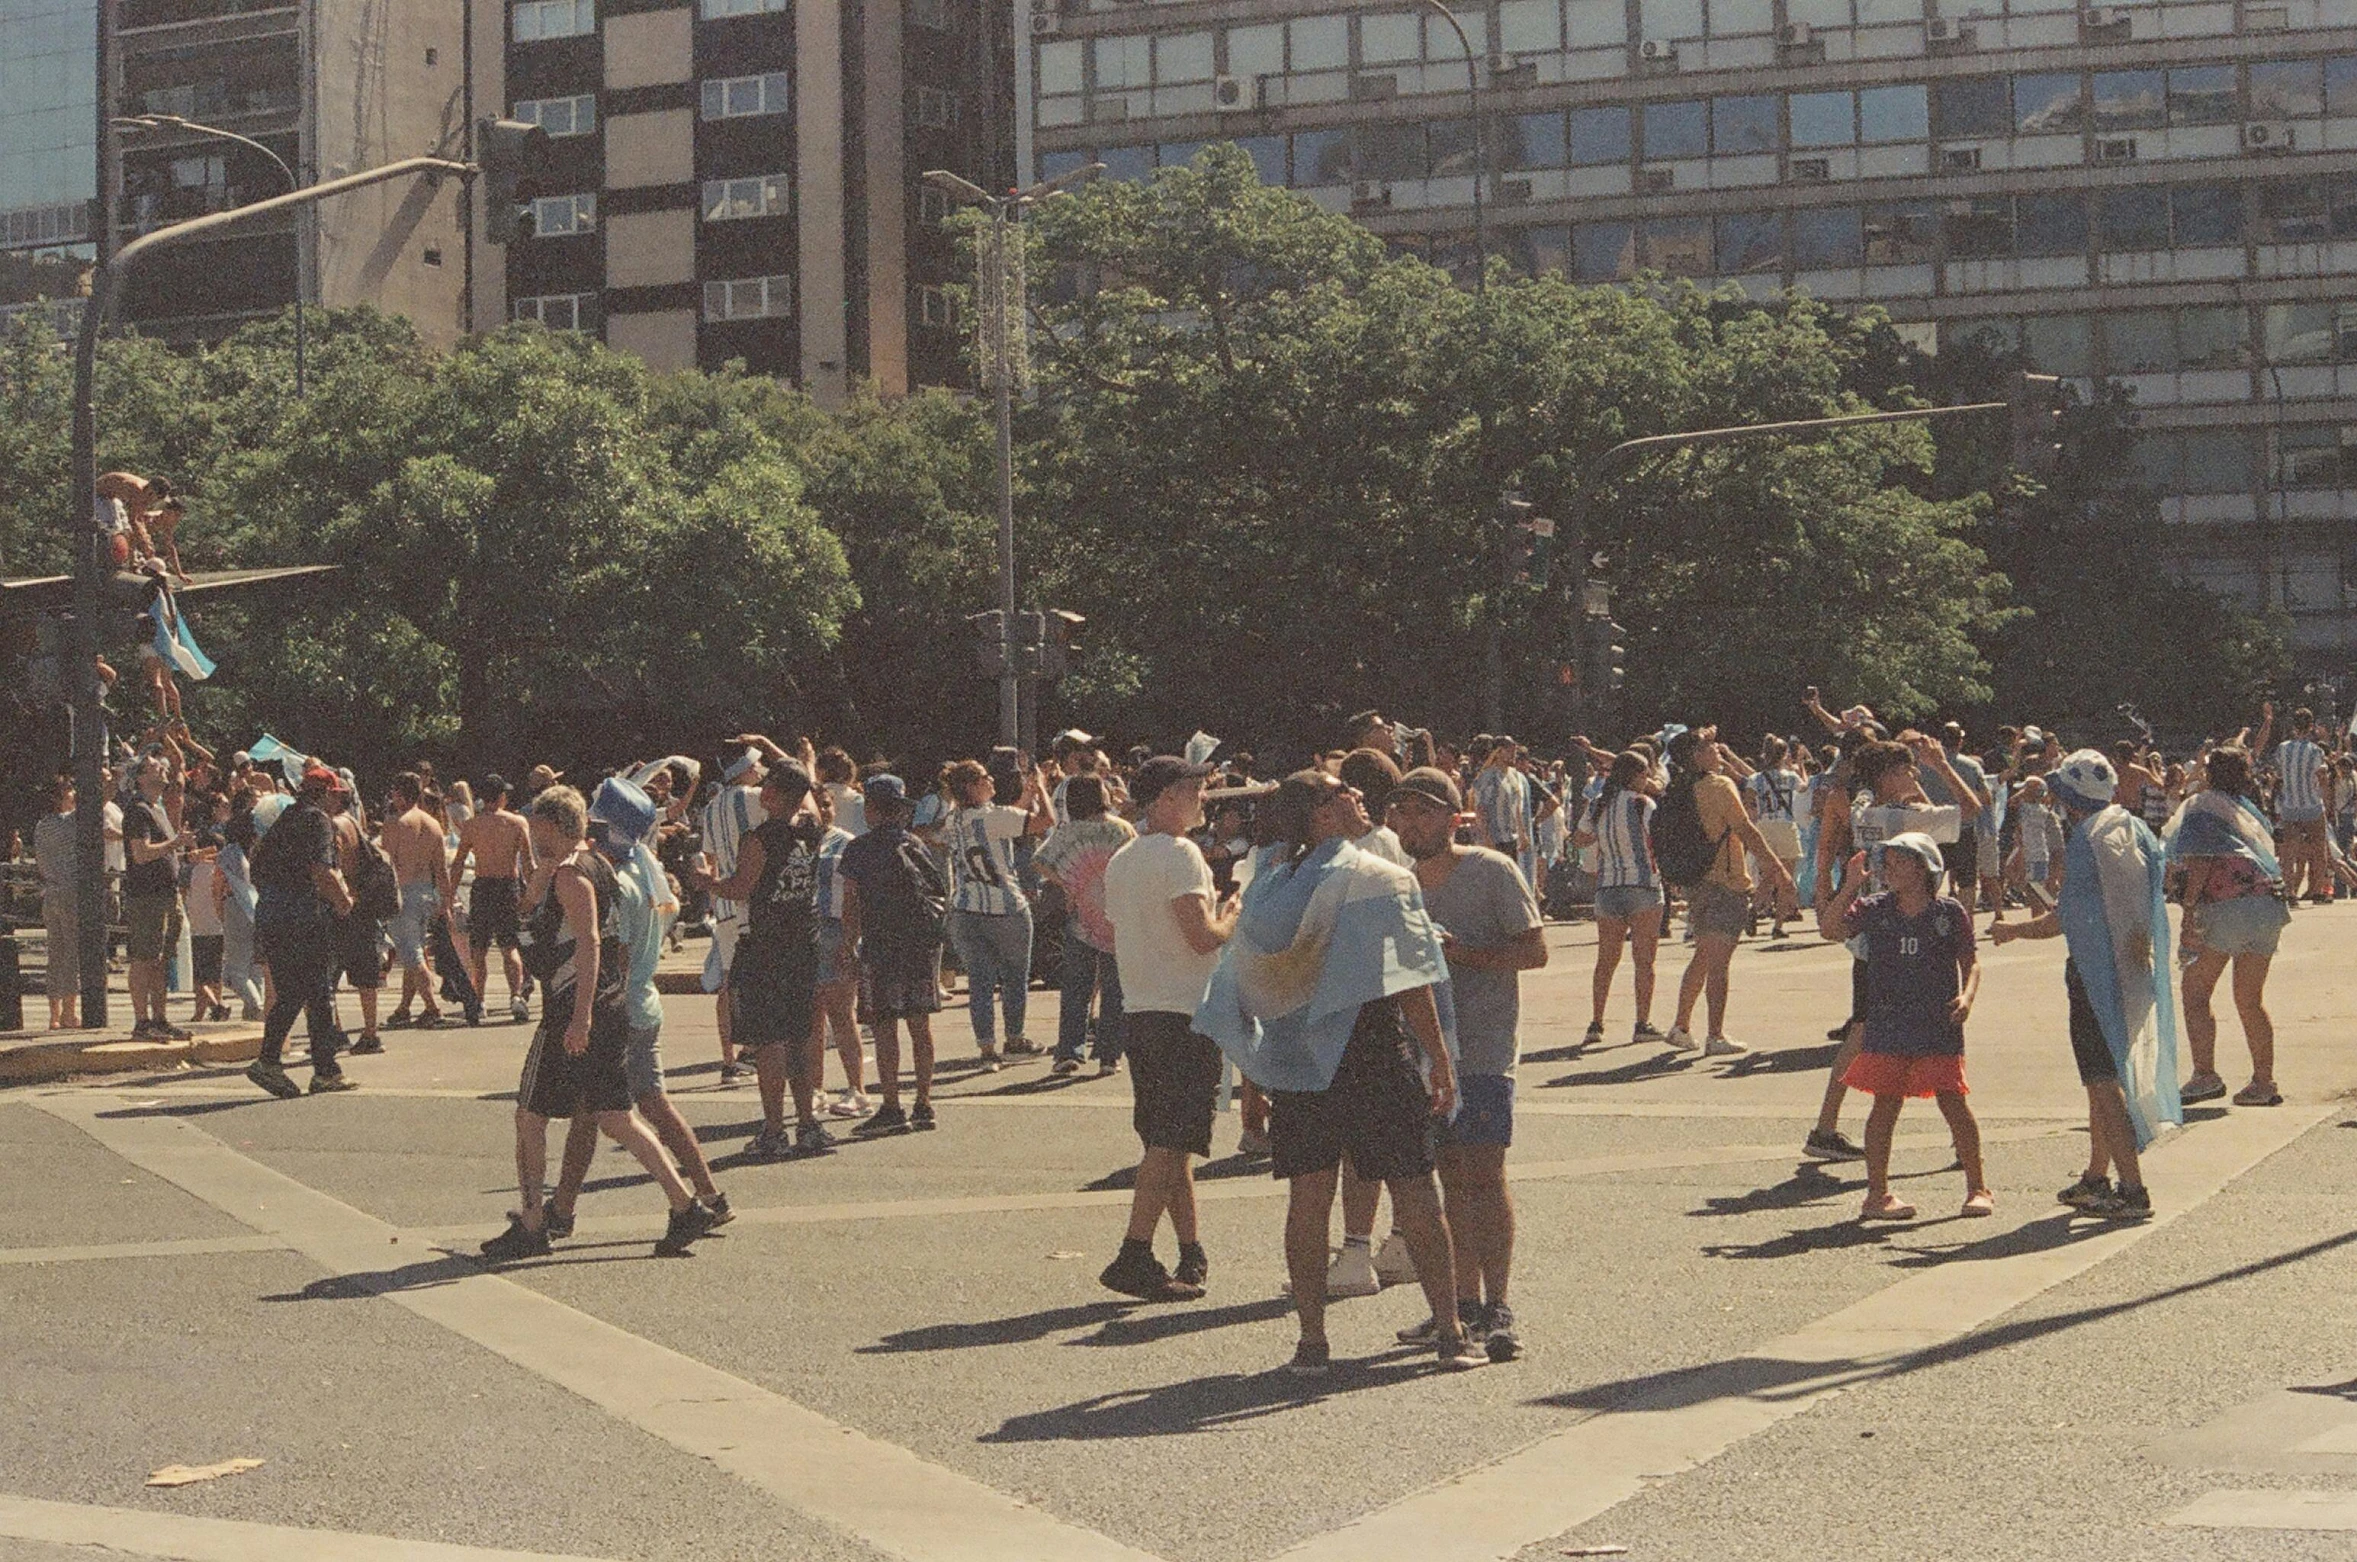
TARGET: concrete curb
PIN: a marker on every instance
(40, 1062)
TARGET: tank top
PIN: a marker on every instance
(553, 957)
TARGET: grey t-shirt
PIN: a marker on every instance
(1485, 904)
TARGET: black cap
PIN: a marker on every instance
(1160, 774)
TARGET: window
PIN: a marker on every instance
(1679, 246)
(717, 10)
(2340, 86)
(2128, 100)
(1319, 43)
(1061, 67)
(537, 19)
(557, 311)
(763, 195)
(1980, 228)
(556, 216)
(1268, 156)
(1975, 106)
(2203, 95)
(1604, 251)
(2046, 105)
(1888, 114)
(575, 116)
(934, 206)
(933, 308)
(1131, 164)
(2051, 224)
(1535, 251)
(1391, 38)
(1390, 151)
(1256, 51)
(1321, 157)
(1669, 18)
(936, 110)
(2218, 462)
(1824, 119)
(1904, 233)
(2287, 89)
(1451, 147)
(738, 97)
(2139, 341)
(929, 13)
(2060, 344)
(751, 298)
(1997, 338)
(1182, 57)
(1750, 242)
(1530, 27)
(1741, 125)
(1598, 136)
(2213, 338)
(1675, 130)
(1055, 165)
(2205, 214)
(2310, 333)
(2294, 211)
(1829, 237)
(2136, 219)
(2315, 457)
(1532, 141)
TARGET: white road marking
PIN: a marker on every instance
(883, 1495)
(180, 1538)
(187, 1248)
(2310, 1510)
(1566, 1479)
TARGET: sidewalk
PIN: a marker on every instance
(38, 1054)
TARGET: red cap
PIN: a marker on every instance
(316, 774)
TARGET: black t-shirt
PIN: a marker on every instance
(281, 862)
(784, 903)
(147, 823)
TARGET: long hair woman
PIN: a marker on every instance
(1628, 889)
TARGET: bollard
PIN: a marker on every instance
(12, 984)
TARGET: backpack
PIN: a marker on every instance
(376, 893)
(1680, 848)
(913, 901)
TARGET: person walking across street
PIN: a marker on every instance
(2231, 886)
(413, 839)
(1720, 904)
(895, 909)
(1073, 857)
(989, 915)
(300, 897)
(501, 846)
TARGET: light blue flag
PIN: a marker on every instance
(2220, 824)
(2117, 925)
(1317, 941)
(174, 644)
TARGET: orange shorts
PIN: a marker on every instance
(1887, 1074)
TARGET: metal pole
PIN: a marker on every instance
(1003, 372)
(1480, 162)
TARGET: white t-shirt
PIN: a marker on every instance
(1381, 842)
(851, 808)
(981, 861)
(1160, 971)
(203, 920)
(116, 863)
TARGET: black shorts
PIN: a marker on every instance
(361, 940)
(2088, 1046)
(772, 994)
(491, 914)
(204, 949)
(1857, 995)
(897, 981)
(558, 1084)
(1377, 1111)
(1963, 857)
(1173, 1079)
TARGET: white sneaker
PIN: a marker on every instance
(1352, 1274)
(1394, 1265)
(1680, 1039)
(1721, 1047)
(848, 1103)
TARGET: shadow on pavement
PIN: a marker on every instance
(1204, 1404)
(1773, 1378)
(1227, 1166)
(1657, 1066)
(191, 1108)
(1809, 1182)
(1791, 1060)
(1118, 1323)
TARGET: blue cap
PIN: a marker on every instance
(624, 808)
(888, 790)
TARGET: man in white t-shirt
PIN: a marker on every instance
(733, 814)
(1167, 934)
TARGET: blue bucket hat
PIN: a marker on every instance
(624, 808)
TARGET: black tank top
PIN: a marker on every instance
(550, 953)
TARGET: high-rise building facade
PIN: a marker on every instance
(739, 179)
(2161, 194)
(48, 149)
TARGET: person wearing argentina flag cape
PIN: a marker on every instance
(1332, 996)
(2225, 871)
(2123, 1018)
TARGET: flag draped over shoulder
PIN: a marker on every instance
(2117, 925)
(1317, 940)
(173, 643)
(2220, 824)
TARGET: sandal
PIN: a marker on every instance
(1979, 1204)
(2258, 1094)
(1891, 1207)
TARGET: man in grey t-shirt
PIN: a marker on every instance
(1491, 924)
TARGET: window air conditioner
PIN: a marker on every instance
(1960, 159)
(2103, 19)
(1047, 18)
(1655, 181)
(1809, 170)
(2266, 135)
(2116, 149)
(1659, 51)
(1235, 94)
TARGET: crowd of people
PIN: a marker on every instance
(1347, 937)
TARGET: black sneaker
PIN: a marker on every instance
(813, 1139)
(1023, 1047)
(143, 1030)
(1194, 1265)
(397, 1020)
(516, 1242)
(2122, 1204)
(329, 1081)
(368, 1044)
(1311, 1359)
(886, 1119)
(717, 1206)
(1065, 1066)
(770, 1144)
(557, 1224)
(1503, 1344)
(920, 1117)
(165, 1030)
(1459, 1352)
(688, 1222)
(1834, 1146)
(1135, 1271)
(273, 1079)
(2085, 1193)
(1471, 1319)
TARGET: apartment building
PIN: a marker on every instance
(739, 179)
(2161, 194)
(48, 151)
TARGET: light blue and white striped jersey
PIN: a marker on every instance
(1624, 845)
(734, 813)
(981, 861)
(830, 873)
(2299, 762)
(1501, 804)
(1776, 794)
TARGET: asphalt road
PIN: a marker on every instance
(902, 1350)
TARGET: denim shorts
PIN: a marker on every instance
(1619, 904)
(1717, 911)
(2248, 925)
(421, 903)
(642, 1061)
(1485, 1111)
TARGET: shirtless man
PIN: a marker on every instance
(501, 844)
(413, 839)
(125, 501)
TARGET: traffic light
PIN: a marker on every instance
(2037, 423)
(1031, 632)
(1604, 658)
(990, 641)
(510, 155)
(1061, 647)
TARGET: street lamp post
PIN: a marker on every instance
(1480, 159)
(998, 325)
(190, 127)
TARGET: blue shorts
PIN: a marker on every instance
(1485, 1112)
(2248, 925)
(1618, 904)
(830, 950)
(420, 905)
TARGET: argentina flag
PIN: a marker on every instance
(2117, 924)
(173, 644)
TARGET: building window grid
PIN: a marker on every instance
(749, 298)
(936, 109)
(935, 309)
(722, 10)
(743, 97)
(760, 195)
(561, 216)
(557, 311)
(533, 20)
(567, 116)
